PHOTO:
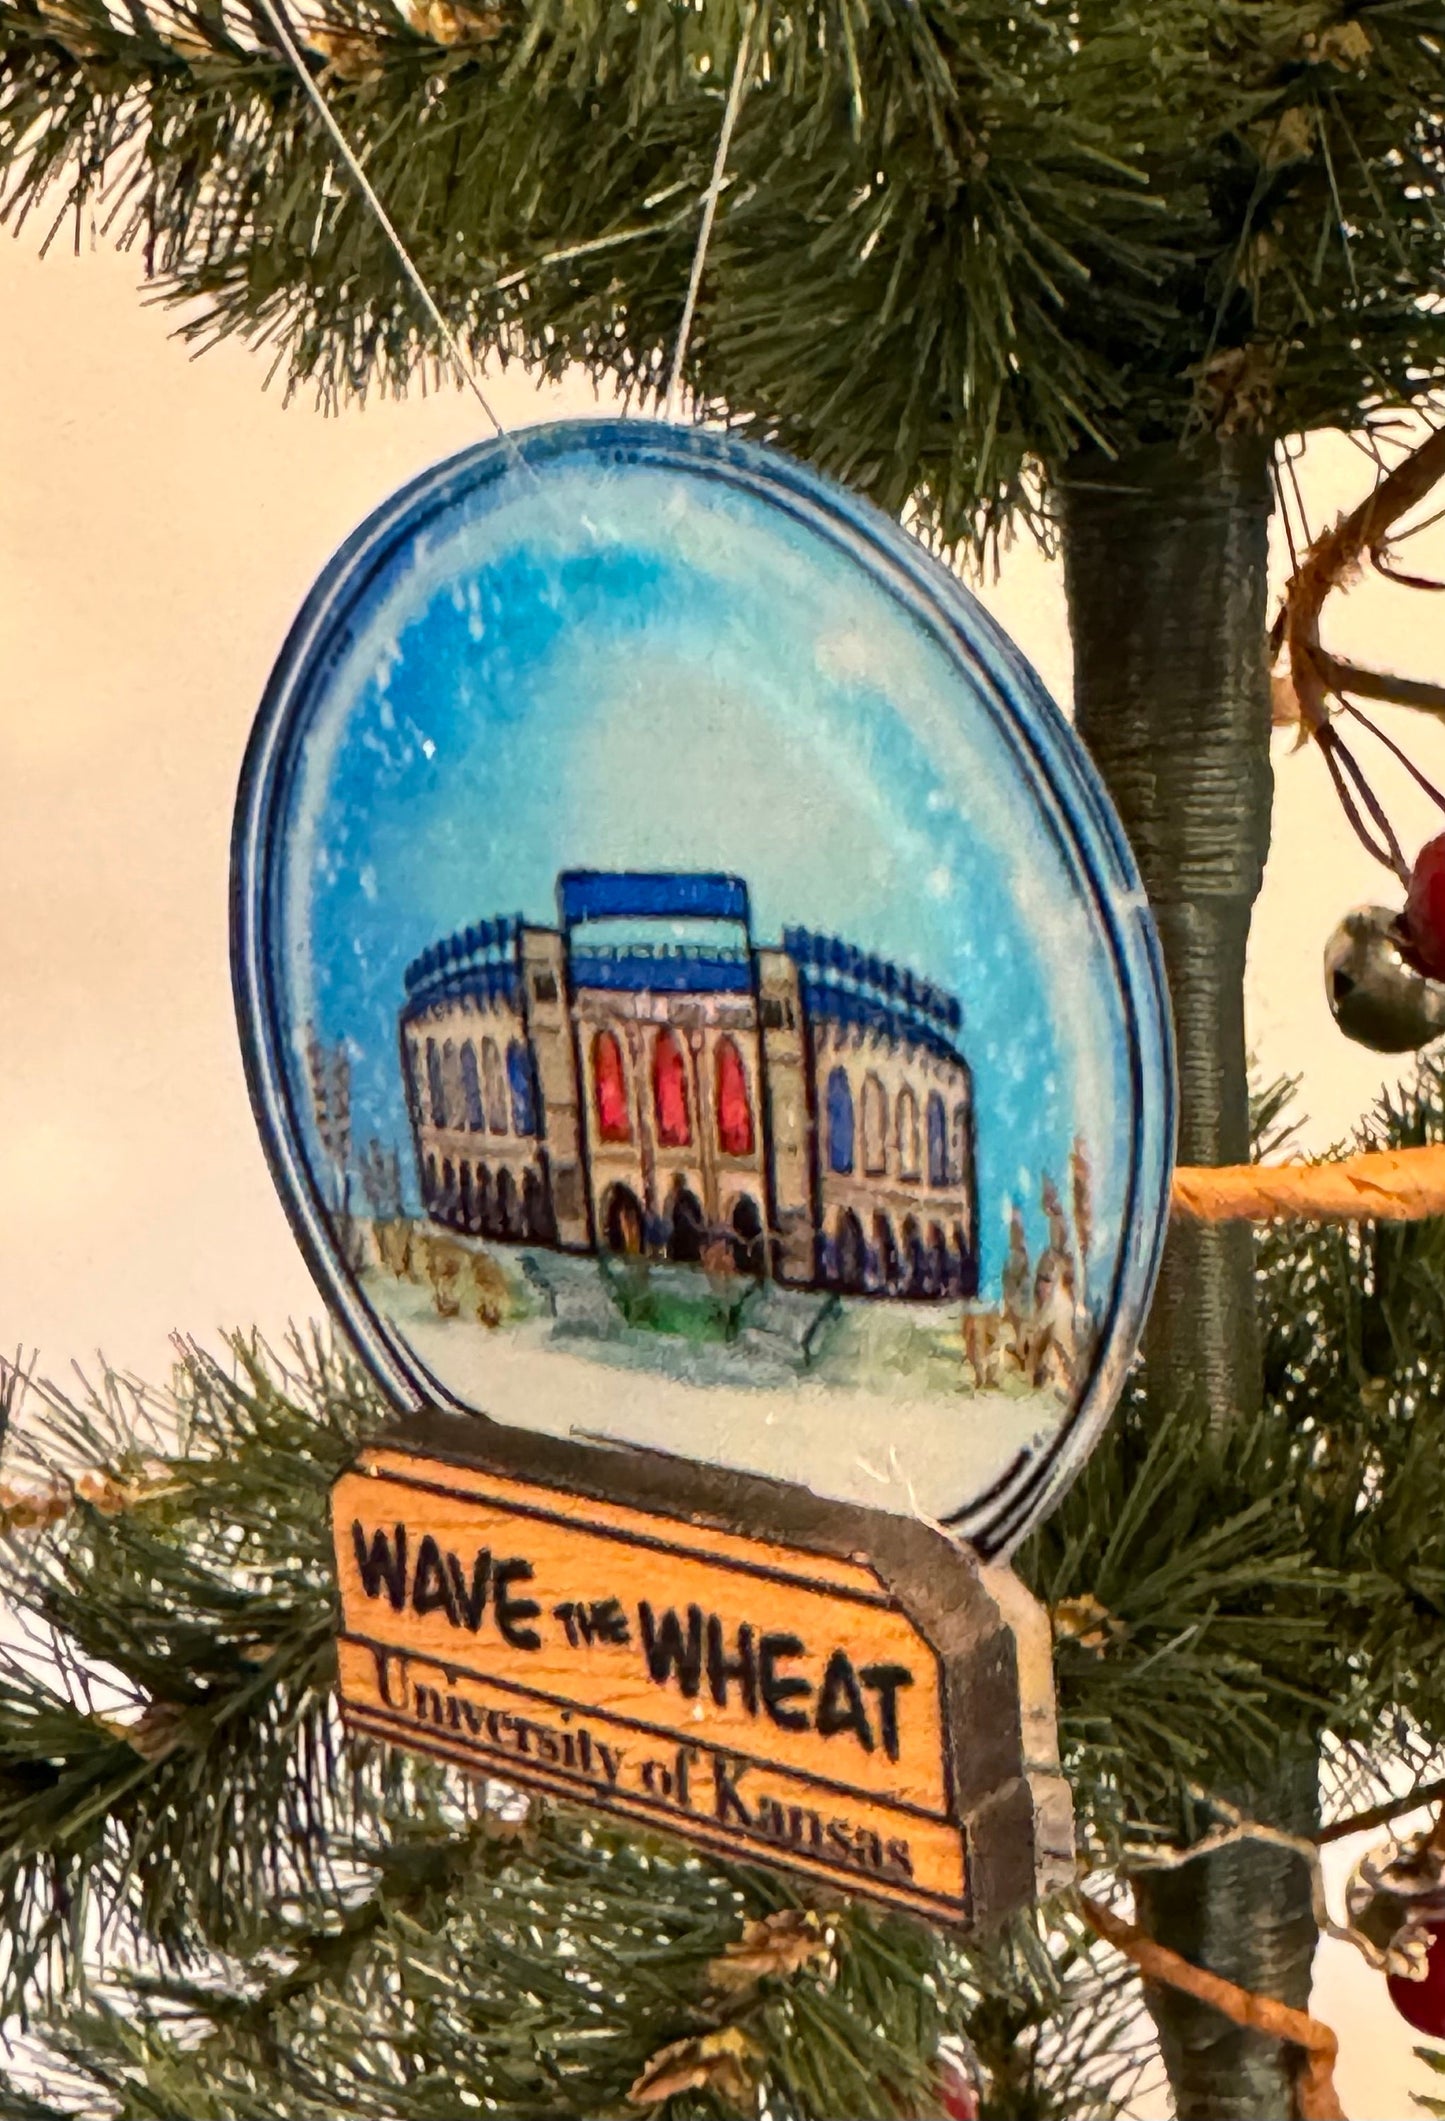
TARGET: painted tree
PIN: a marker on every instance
(1080, 265)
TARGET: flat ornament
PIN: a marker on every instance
(694, 990)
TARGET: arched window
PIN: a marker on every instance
(494, 1087)
(452, 1085)
(962, 1157)
(472, 1088)
(669, 1092)
(937, 1141)
(436, 1089)
(840, 1122)
(609, 1091)
(523, 1088)
(734, 1112)
(875, 1126)
(413, 1080)
(910, 1161)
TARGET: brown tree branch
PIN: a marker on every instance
(1315, 2096)
(1382, 1814)
(1328, 562)
(1346, 677)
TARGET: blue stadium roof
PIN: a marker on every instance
(472, 961)
(633, 894)
(669, 969)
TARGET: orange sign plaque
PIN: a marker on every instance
(773, 1701)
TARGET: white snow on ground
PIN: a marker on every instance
(856, 1428)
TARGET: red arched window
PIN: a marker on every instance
(734, 1113)
(669, 1092)
(609, 1089)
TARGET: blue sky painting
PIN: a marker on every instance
(628, 665)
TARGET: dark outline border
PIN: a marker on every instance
(1073, 807)
(654, 1542)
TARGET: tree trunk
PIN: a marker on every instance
(1166, 567)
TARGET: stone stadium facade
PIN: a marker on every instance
(801, 1110)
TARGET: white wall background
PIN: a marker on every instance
(160, 520)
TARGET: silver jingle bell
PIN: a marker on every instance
(1376, 996)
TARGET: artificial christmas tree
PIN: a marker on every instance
(1084, 265)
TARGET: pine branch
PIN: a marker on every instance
(167, 1739)
(290, 1925)
(951, 249)
(288, 1922)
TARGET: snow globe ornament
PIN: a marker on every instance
(695, 992)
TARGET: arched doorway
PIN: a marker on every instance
(910, 1271)
(967, 1264)
(486, 1202)
(689, 1226)
(470, 1219)
(852, 1254)
(887, 1251)
(509, 1206)
(622, 1220)
(750, 1252)
(449, 1192)
(537, 1223)
(936, 1261)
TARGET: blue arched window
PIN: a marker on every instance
(436, 1088)
(840, 1122)
(937, 1141)
(472, 1088)
(523, 1087)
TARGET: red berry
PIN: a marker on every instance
(957, 2093)
(1422, 2003)
(1425, 907)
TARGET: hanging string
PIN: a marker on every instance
(1395, 752)
(1334, 751)
(709, 211)
(364, 185)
